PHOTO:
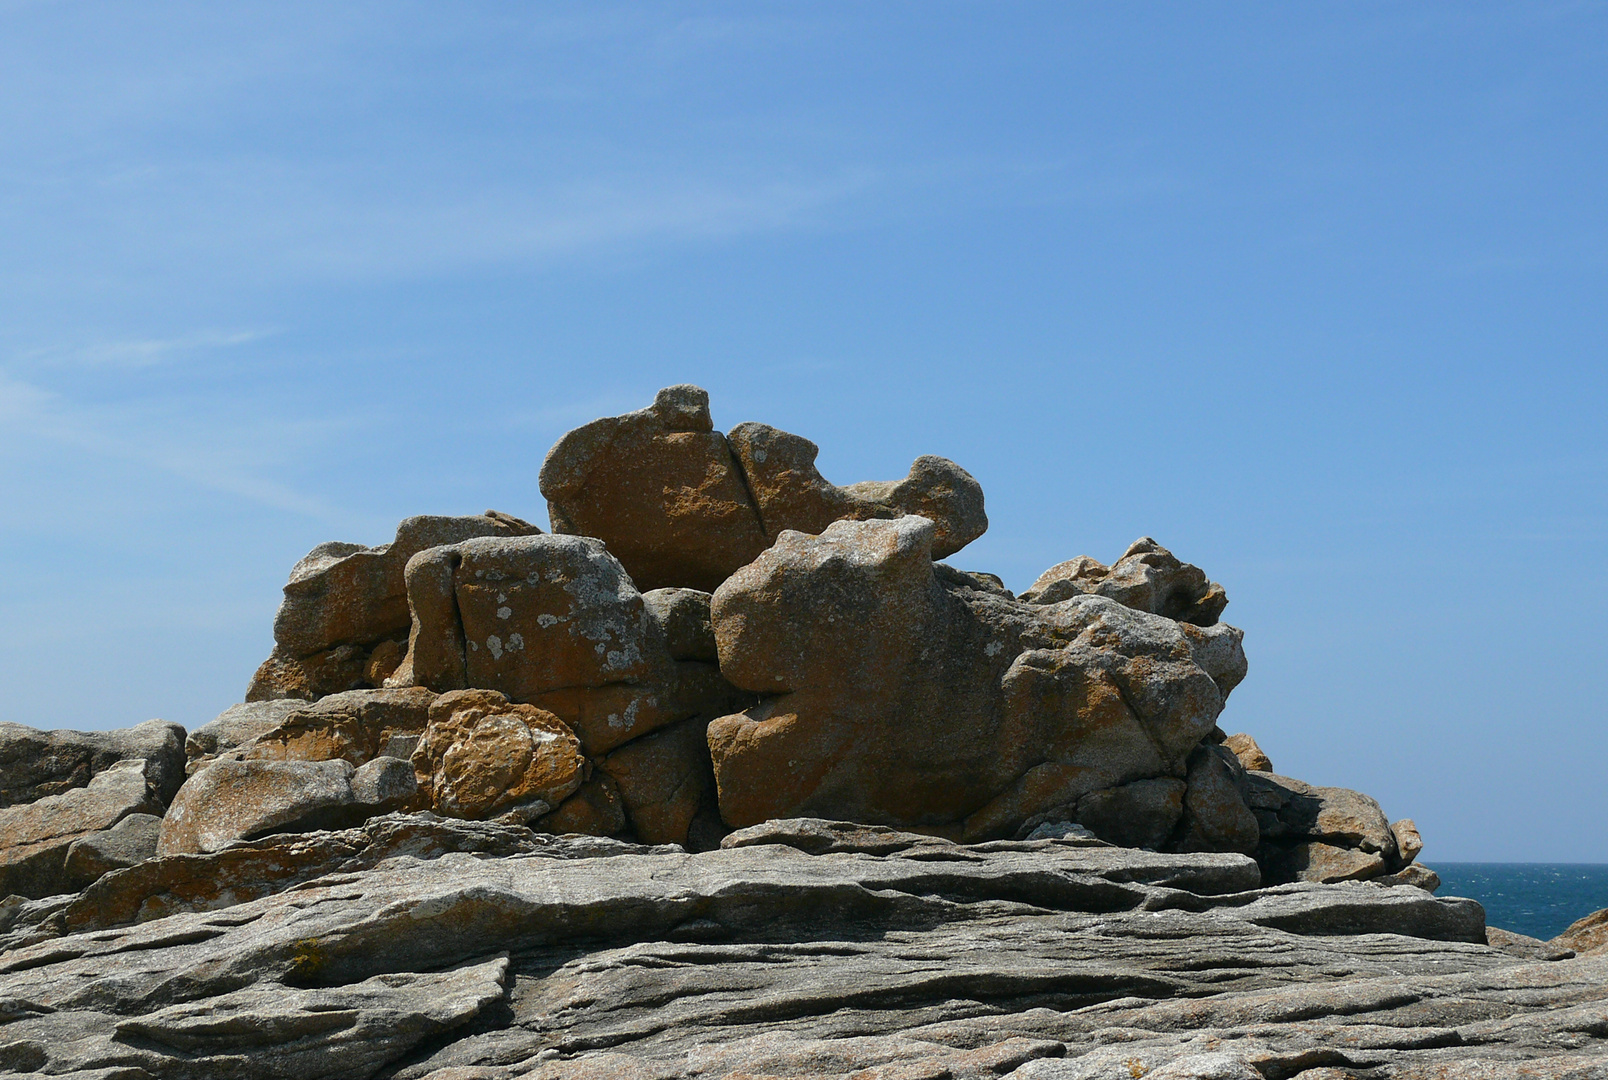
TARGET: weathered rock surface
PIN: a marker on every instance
(886, 955)
(36, 837)
(345, 609)
(483, 756)
(235, 726)
(660, 487)
(552, 621)
(1251, 756)
(130, 842)
(1587, 936)
(1319, 833)
(791, 494)
(905, 695)
(241, 800)
(355, 726)
(1148, 577)
(681, 505)
(35, 763)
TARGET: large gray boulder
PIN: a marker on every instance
(36, 763)
(242, 800)
(904, 693)
(552, 621)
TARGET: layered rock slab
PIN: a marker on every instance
(900, 692)
(762, 959)
(36, 763)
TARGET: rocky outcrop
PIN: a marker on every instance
(354, 726)
(899, 693)
(1587, 936)
(35, 764)
(681, 505)
(813, 805)
(36, 837)
(415, 947)
(1148, 577)
(552, 621)
(344, 617)
(791, 494)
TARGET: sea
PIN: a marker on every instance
(1538, 899)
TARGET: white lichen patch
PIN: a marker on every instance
(504, 612)
(494, 644)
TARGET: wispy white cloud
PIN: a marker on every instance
(138, 352)
(205, 459)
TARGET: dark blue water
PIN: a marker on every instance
(1539, 899)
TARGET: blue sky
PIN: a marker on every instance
(1313, 294)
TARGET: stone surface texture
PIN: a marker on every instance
(416, 947)
(34, 763)
(681, 505)
(346, 605)
(900, 693)
(1148, 577)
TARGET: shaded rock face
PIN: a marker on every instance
(681, 505)
(901, 694)
(35, 764)
(36, 838)
(345, 612)
(415, 947)
(1148, 577)
(1322, 833)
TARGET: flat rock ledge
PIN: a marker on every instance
(424, 947)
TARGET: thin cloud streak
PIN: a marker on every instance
(29, 410)
(138, 352)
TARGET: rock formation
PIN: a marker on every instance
(726, 776)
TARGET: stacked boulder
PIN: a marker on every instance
(712, 636)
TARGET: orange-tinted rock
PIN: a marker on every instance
(1147, 577)
(1312, 860)
(1250, 755)
(907, 694)
(345, 611)
(1408, 841)
(665, 779)
(660, 487)
(680, 505)
(355, 726)
(792, 494)
(484, 756)
(596, 809)
(1587, 936)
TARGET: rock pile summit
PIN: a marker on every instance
(731, 775)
